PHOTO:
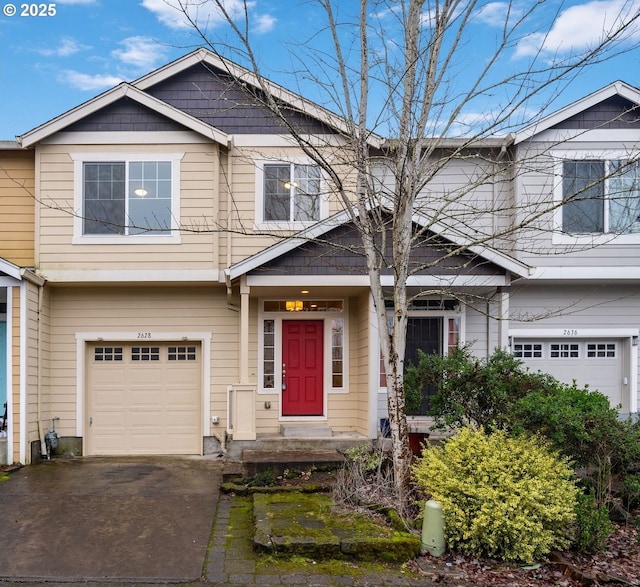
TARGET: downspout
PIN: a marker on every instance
(43, 444)
(227, 276)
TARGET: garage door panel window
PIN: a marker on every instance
(601, 350)
(182, 353)
(564, 350)
(151, 353)
(103, 354)
(527, 350)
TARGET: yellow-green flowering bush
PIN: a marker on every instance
(507, 498)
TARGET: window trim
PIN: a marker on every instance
(79, 159)
(260, 222)
(584, 239)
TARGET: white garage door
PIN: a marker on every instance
(143, 399)
(593, 362)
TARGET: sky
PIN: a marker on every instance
(55, 56)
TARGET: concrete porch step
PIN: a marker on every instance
(257, 461)
(305, 431)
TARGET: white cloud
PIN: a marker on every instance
(67, 47)
(205, 14)
(264, 23)
(141, 53)
(83, 81)
(494, 13)
(580, 27)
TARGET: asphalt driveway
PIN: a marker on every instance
(97, 518)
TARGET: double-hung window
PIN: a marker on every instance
(600, 196)
(133, 196)
(291, 193)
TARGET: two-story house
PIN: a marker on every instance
(175, 313)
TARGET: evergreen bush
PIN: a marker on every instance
(502, 497)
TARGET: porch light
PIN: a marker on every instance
(140, 192)
(290, 184)
(293, 305)
(634, 340)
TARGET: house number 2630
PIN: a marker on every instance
(144, 335)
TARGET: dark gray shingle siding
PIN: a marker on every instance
(217, 99)
(344, 257)
(613, 113)
(125, 115)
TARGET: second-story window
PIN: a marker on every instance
(291, 193)
(600, 196)
(127, 197)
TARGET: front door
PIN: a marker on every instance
(302, 367)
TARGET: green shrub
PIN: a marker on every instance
(593, 526)
(502, 497)
(579, 422)
(469, 390)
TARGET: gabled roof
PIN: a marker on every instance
(246, 76)
(319, 229)
(618, 88)
(113, 95)
(136, 90)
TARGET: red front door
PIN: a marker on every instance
(302, 366)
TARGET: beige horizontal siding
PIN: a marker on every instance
(141, 309)
(198, 207)
(17, 206)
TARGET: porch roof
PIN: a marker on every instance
(333, 250)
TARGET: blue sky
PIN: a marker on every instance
(53, 62)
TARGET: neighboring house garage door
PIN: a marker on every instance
(593, 362)
(143, 399)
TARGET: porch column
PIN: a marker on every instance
(244, 330)
(503, 318)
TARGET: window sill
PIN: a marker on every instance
(138, 239)
(284, 226)
(594, 240)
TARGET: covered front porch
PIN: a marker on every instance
(309, 352)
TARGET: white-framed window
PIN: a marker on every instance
(126, 197)
(289, 193)
(273, 312)
(599, 193)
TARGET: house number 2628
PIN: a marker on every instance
(144, 335)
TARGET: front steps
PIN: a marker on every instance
(305, 431)
(294, 449)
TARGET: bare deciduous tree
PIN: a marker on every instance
(406, 69)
